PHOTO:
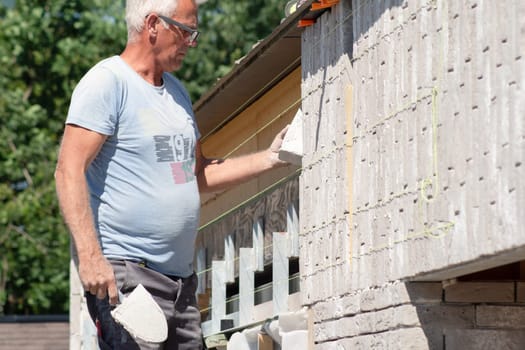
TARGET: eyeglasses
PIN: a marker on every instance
(193, 33)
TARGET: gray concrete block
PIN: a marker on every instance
(425, 292)
(371, 341)
(446, 316)
(492, 316)
(480, 292)
(410, 338)
(520, 292)
(374, 322)
(325, 331)
(484, 339)
(375, 299)
(341, 284)
(406, 316)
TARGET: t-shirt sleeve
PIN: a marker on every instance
(95, 101)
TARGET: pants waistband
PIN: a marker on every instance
(144, 263)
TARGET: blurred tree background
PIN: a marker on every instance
(45, 48)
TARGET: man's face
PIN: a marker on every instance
(175, 40)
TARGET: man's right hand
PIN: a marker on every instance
(98, 278)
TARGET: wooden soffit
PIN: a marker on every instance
(264, 66)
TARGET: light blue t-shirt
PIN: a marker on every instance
(143, 188)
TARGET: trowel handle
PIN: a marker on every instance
(120, 297)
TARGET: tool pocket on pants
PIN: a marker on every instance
(163, 289)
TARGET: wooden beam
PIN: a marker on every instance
(246, 286)
(292, 227)
(218, 294)
(264, 342)
(280, 272)
(229, 258)
(258, 244)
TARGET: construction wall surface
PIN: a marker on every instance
(414, 137)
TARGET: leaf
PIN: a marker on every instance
(45, 48)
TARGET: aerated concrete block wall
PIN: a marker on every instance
(414, 143)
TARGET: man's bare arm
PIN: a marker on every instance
(78, 148)
(217, 174)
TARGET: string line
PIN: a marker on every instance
(265, 87)
(428, 231)
(444, 227)
(230, 261)
(289, 107)
(252, 198)
(255, 290)
(251, 99)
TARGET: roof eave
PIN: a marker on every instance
(267, 63)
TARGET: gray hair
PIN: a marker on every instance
(137, 10)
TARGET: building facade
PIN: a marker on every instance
(414, 129)
(403, 226)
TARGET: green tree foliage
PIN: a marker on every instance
(45, 48)
(229, 30)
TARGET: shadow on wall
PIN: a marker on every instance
(465, 315)
(431, 317)
(343, 48)
(339, 29)
(328, 46)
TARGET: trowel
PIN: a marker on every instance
(141, 316)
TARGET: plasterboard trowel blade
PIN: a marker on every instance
(141, 316)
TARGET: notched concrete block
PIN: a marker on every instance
(292, 148)
(484, 339)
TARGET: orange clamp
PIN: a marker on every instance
(323, 4)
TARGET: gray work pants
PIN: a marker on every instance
(175, 296)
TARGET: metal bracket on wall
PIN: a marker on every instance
(305, 22)
(323, 4)
(316, 9)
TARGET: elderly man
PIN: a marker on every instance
(130, 170)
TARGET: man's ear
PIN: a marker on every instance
(151, 24)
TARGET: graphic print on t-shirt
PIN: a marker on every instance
(177, 150)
